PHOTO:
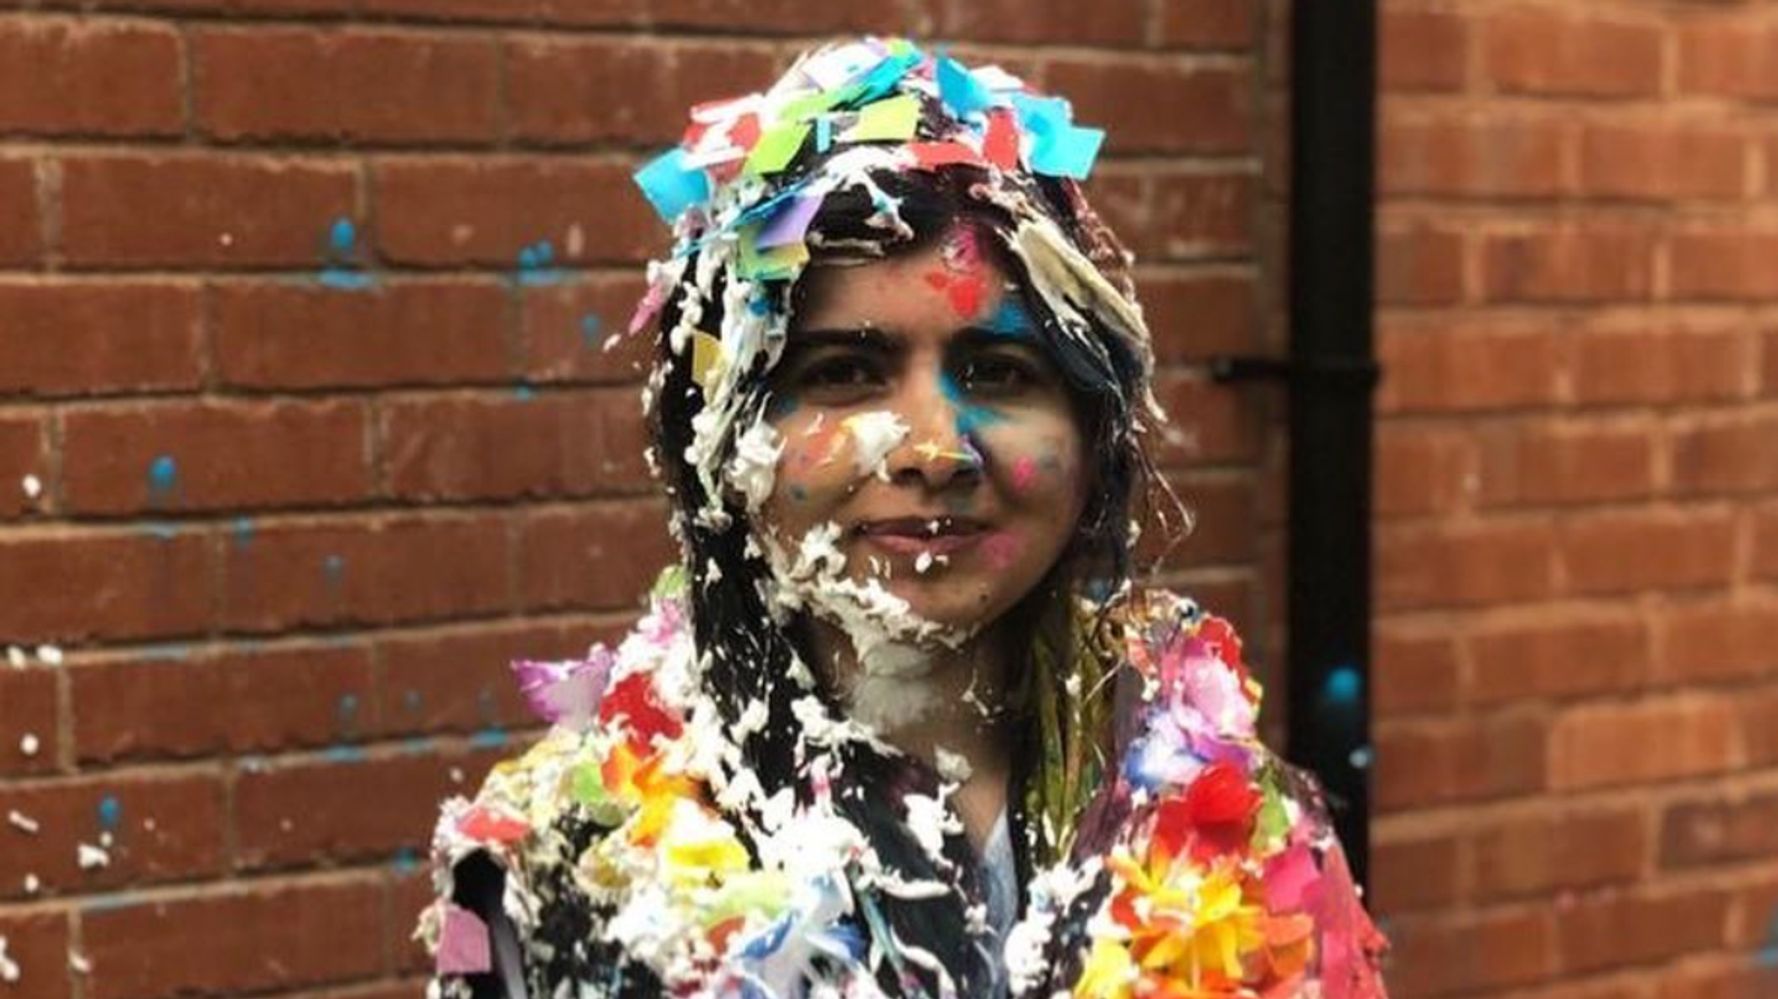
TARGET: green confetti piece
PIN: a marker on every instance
(891, 120)
(777, 147)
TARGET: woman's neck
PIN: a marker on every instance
(947, 709)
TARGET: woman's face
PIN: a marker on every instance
(920, 416)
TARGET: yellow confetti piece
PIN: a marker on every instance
(892, 120)
(706, 358)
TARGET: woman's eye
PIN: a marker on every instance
(992, 375)
(839, 374)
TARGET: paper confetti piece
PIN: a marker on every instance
(706, 358)
(931, 155)
(771, 264)
(892, 120)
(776, 147)
(464, 945)
(671, 185)
(958, 88)
(1001, 145)
(1059, 147)
(790, 223)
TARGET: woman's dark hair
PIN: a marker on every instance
(749, 657)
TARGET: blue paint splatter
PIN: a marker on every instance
(340, 271)
(1343, 686)
(406, 861)
(348, 712)
(344, 754)
(589, 330)
(243, 531)
(163, 480)
(1009, 320)
(523, 392)
(488, 738)
(536, 264)
(110, 812)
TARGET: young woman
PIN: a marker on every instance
(899, 724)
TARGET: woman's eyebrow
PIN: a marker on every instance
(868, 337)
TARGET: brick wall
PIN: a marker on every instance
(300, 308)
(1577, 536)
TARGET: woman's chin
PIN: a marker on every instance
(958, 605)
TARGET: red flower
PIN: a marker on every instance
(633, 698)
(1221, 805)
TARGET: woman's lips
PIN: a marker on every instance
(916, 535)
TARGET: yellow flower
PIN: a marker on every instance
(1190, 927)
(696, 846)
(1109, 972)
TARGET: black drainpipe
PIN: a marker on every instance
(1330, 375)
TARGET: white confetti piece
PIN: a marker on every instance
(49, 655)
(79, 963)
(28, 744)
(33, 486)
(9, 969)
(22, 822)
(90, 857)
(16, 656)
(32, 884)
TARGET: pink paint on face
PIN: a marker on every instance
(1000, 549)
(1024, 473)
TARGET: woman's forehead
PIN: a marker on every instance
(946, 281)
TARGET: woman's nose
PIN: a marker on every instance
(939, 448)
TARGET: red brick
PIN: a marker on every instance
(1545, 52)
(757, 17)
(1611, 931)
(30, 727)
(1765, 543)
(1758, 715)
(1194, 315)
(1413, 874)
(21, 235)
(508, 11)
(1420, 764)
(372, 571)
(1470, 564)
(1559, 848)
(257, 937)
(592, 557)
(549, 444)
(116, 336)
(1210, 24)
(1117, 23)
(1598, 261)
(1497, 157)
(578, 331)
(1455, 366)
(484, 211)
(1566, 462)
(360, 86)
(1420, 469)
(1715, 641)
(1732, 977)
(342, 810)
(560, 89)
(155, 581)
(73, 77)
(1658, 365)
(1570, 656)
(1724, 264)
(1208, 423)
(163, 828)
(1769, 351)
(1731, 453)
(1413, 671)
(1422, 50)
(460, 680)
(1209, 108)
(1436, 955)
(402, 332)
(1180, 216)
(1662, 160)
(1224, 508)
(1719, 829)
(207, 456)
(164, 704)
(38, 942)
(1625, 551)
(1727, 57)
(1419, 263)
(21, 454)
(209, 209)
(1651, 740)
(240, 8)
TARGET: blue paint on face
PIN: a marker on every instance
(970, 416)
(110, 812)
(1010, 320)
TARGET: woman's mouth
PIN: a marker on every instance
(913, 536)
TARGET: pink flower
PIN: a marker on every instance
(566, 693)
